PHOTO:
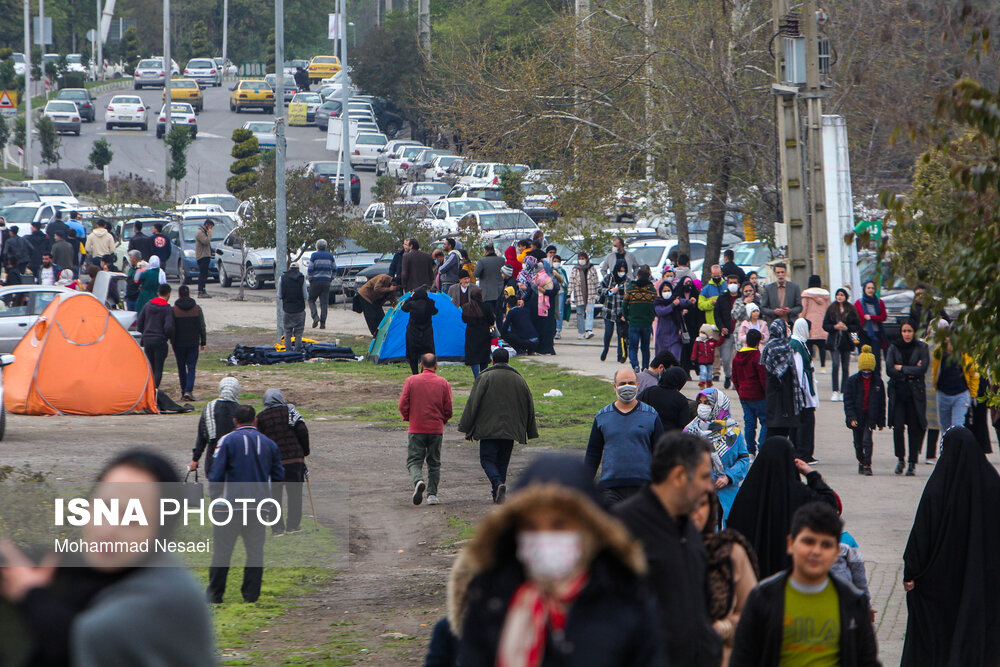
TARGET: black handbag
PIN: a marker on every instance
(194, 491)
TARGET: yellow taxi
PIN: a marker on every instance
(252, 94)
(323, 67)
(186, 90)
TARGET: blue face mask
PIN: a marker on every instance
(866, 374)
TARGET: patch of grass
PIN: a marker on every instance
(464, 528)
(12, 174)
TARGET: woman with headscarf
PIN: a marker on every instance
(907, 362)
(612, 293)
(752, 321)
(374, 294)
(667, 307)
(419, 330)
(840, 323)
(784, 398)
(732, 572)
(540, 302)
(949, 568)
(66, 279)
(478, 331)
(769, 496)
(551, 578)
(149, 280)
(691, 318)
(871, 311)
(216, 421)
(748, 295)
(282, 423)
(804, 435)
(731, 460)
(510, 254)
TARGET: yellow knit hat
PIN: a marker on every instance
(866, 360)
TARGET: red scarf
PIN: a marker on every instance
(531, 612)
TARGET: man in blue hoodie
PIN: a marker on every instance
(621, 441)
(322, 266)
(247, 458)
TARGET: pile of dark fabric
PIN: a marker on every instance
(265, 355)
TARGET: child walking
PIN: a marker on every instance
(864, 408)
(703, 354)
(750, 380)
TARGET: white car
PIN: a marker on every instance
(204, 71)
(402, 160)
(53, 192)
(225, 66)
(126, 111)
(489, 173)
(425, 191)
(181, 113)
(447, 212)
(312, 102)
(23, 214)
(20, 63)
(370, 128)
(490, 193)
(361, 116)
(389, 151)
(264, 131)
(439, 167)
(365, 151)
(74, 63)
(360, 106)
(65, 116)
(225, 201)
(376, 211)
(499, 227)
(655, 253)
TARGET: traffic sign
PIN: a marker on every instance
(8, 102)
(91, 35)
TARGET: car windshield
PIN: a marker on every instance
(430, 189)
(126, 100)
(463, 207)
(52, 189)
(325, 60)
(228, 203)
(200, 64)
(74, 58)
(260, 127)
(326, 168)
(69, 94)
(411, 151)
(751, 254)
(179, 107)
(19, 58)
(60, 106)
(307, 97)
(489, 194)
(219, 232)
(535, 190)
(19, 215)
(149, 64)
(512, 220)
(518, 169)
(8, 197)
(649, 254)
(371, 139)
(446, 161)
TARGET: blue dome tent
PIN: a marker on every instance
(389, 345)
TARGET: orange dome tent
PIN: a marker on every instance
(78, 360)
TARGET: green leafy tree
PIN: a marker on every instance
(48, 139)
(4, 133)
(388, 64)
(128, 50)
(8, 76)
(246, 150)
(510, 188)
(269, 61)
(199, 45)
(178, 139)
(20, 130)
(398, 224)
(101, 154)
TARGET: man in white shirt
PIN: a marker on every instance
(48, 273)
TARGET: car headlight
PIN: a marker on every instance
(189, 253)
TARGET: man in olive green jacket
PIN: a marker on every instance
(499, 411)
(203, 255)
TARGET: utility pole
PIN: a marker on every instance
(168, 118)
(648, 108)
(814, 145)
(27, 88)
(345, 96)
(100, 45)
(225, 35)
(280, 212)
(423, 26)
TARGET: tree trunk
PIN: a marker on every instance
(717, 216)
(678, 204)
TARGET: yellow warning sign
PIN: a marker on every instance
(8, 99)
(298, 113)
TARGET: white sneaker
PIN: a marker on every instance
(433, 500)
(558, 335)
(581, 336)
(589, 334)
(833, 397)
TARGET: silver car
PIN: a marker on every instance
(290, 88)
(64, 115)
(204, 71)
(149, 72)
(259, 263)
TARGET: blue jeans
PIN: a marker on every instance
(639, 337)
(704, 372)
(952, 409)
(187, 360)
(560, 309)
(475, 370)
(585, 318)
(753, 412)
(494, 457)
(130, 303)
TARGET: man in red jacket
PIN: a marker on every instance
(750, 380)
(426, 404)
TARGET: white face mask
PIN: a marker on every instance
(704, 412)
(667, 295)
(621, 274)
(549, 555)
(732, 288)
(556, 265)
(627, 392)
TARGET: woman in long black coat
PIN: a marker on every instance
(419, 331)
(784, 402)
(907, 363)
(691, 317)
(949, 568)
(478, 326)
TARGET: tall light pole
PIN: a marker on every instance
(280, 222)
(167, 107)
(225, 33)
(27, 87)
(100, 45)
(345, 96)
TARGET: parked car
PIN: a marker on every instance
(454, 171)
(53, 192)
(425, 191)
(322, 67)
(539, 201)
(259, 263)
(181, 113)
(84, 101)
(447, 212)
(437, 167)
(264, 130)
(126, 111)
(289, 83)
(349, 264)
(64, 115)
(489, 173)
(252, 94)
(655, 253)
(326, 111)
(204, 71)
(499, 227)
(376, 211)
(490, 193)
(181, 263)
(23, 214)
(124, 230)
(389, 151)
(14, 194)
(226, 66)
(185, 90)
(364, 275)
(326, 173)
(397, 166)
(365, 151)
(360, 116)
(226, 201)
(312, 102)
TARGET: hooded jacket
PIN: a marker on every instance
(815, 302)
(156, 322)
(666, 398)
(612, 623)
(749, 375)
(217, 419)
(202, 243)
(500, 407)
(100, 242)
(637, 306)
(189, 324)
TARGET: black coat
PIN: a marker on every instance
(724, 312)
(546, 326)
(419, 331)
(836, 339)
(38, 243)
(854, 401)
(781, 400)
(668, 401)
(678, 566)
(478, 339)
(909, 381)
(760, 633)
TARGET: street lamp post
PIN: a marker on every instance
(280, 213)
(354, 35)
(167, 106)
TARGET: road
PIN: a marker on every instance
(140, 153)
